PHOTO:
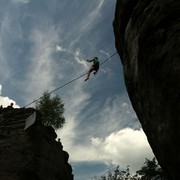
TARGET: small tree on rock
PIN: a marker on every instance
(52, 110)
(151, 170)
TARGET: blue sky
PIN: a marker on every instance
(43, 45)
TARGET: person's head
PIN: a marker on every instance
(96, 58)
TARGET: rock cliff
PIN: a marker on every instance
(147, 37)
(31, 154)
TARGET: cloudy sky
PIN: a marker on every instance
(43, 45)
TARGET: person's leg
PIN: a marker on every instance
(96, 70)
(89, 72)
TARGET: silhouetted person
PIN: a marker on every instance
(1, 109)
(10, 106)
(94, 67)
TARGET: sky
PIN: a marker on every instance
(45, 44)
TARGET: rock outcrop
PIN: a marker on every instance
(147, 37)
(31, 154)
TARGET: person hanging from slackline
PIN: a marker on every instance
(94, 67)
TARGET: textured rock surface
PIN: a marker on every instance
(33, 154)
(147, 36)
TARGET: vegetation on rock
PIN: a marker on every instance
(150, 171)
(52, 109)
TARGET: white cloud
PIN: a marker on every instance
(10, 34)
(119, 146)
(79, 60)
(6, 101)
(0, 89)
(67, 134)
(124, 147)
(59, 48)
(106, 69)
(4, 69)
(116, 113)
(76, 55)
(111, 146)
(89, 20)
(21, 1)
(43, 68)
(105, 53)
(77, 100)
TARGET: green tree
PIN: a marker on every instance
(151, 170)
(117, 175)
(52, 110)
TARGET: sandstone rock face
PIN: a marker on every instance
(147, 37)
(31, 154)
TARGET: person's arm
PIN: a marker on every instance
(91, 60)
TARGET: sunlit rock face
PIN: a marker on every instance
(32, 153)
(147, 37)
